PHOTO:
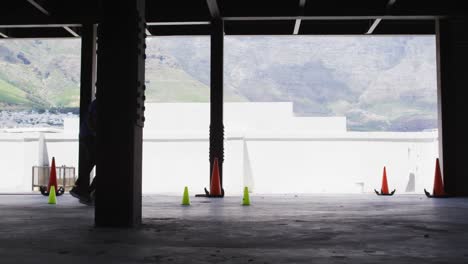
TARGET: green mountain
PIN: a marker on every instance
(39, 73)
(378, 83)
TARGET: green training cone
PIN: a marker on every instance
(52, 196)
(185, 199)
(246, 199)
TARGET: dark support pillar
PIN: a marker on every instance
(216, 97)
(87, 90)
(452, 58)
(120, 106)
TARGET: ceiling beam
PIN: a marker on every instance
(71, 31)
(65, 13)
(40, 25)
(297, 25)
(214, 8)
(377, 21)
(391, 17)
(187, 30)
(390, 3)
(188, 23)
(57, 32)
(32, 22)
(39, 7)
(47, 13)
(373, 26)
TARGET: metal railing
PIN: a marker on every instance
(65, 176)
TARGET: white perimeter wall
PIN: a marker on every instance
(267, 148)
(320, 163)
(20, 151)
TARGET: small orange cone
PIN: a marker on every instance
(215, 183)
(53, 176)
(215, 187)
(384, 189)
(438, 190)
(52, 182)
(438, 184)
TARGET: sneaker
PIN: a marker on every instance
(88, 199)
(75, 192)
(78, 194)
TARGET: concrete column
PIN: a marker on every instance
(87, 90)
(452, 56)
(120, 106)
(216, 96)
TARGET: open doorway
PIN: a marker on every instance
(326, 114)
(39, 112)
(302, 114)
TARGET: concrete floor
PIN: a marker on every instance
(275, 229)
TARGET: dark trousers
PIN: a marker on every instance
(88, 144)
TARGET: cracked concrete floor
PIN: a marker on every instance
(275, 229)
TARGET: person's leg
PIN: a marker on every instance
(88, 198)
(81, 182)
(81, 189)
(92, 162)
(92, 187)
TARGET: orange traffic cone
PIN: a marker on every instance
(52, 182)
(438, 191)
(384, 189)
(53, 176)
(215, 187)
(215, 183)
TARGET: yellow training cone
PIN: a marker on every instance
(246, 199)
(52, 196)
(185, 199)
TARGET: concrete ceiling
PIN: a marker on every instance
(63, 19)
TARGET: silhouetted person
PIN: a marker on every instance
(88, 144)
